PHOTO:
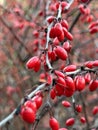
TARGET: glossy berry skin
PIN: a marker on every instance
(64, 23)
(80, 83)
(50, 19)
(69, 83)
(95, 110)
(70, 68)
(66, 104)
(28, 114)
(93, 30)
(61, 53)
(60, 81)
(67, 46)
(78, 108)
(70, 122)
(87, 77)
(58, 73)
(83, 120)
(31, 105)
(53, 123)
(67, 34)
(89, 64)
(53, 93)
(95, 63)
(59, 90)
(34, 63)
(38, 101)
(93, 85)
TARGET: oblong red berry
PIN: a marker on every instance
(66, 104)
(52, 93)
(78, 108)
(53, 123)
(61, 53)
(93, 85)
(28, 114)
(95, 110)
(59, 90)
(70, 122)
(95, 63)
(31, 104)
(50, 19)
(70, 85)
(58, 73)
(83, 120)
(38, 100)
(89, 64)
(87, 77)
(34, 63)
(67, 46)
(70, 68)
(80, 83)
(64, 23)
(93, 30)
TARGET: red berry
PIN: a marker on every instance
(95, 110)
(83, 120)
(64, 4)
(80, 83)
(50, 19)
(53, 123)
(66, 104)
(52, 93)
(93, 24)
(67, 46)
(56, 41)
(59, 90)
(70, 86)
(89, 18)
(58, 73)
(31, 105)
(70, 68)
(67, 34)
(61, 53)
(34, 63)
(52, 33)
(36, 33)
(38, 101)
(60, 81)
(95, 63)
(89, 64)
(52, 55)
(93, 85)
(82, 9)
(58, 29)
(70, 122)
(87, 77)
(78, 108)
(61, 37)
(64, 23)
(28, 114)
(93, 30)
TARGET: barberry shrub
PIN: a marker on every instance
(52, 53)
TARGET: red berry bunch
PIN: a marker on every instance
(30, 108)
